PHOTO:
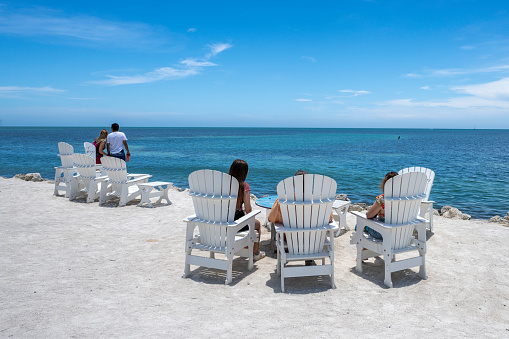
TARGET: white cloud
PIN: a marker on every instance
(303, 100)
(492, 90)
(192, 62)
(18, 91)
(446, 72)
(79, 29)
(424, 87)
(488, 95)
(192, 29)
(188, 67)
(217, 48)
(462, 102)
(354, 93)
(164, 73)
(309, 58)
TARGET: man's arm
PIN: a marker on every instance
(126, 147)
(108, 146)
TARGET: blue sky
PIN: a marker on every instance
(410, 64)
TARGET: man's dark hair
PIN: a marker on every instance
(114, 127)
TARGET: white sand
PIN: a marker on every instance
(71, 269)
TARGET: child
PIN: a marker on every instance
(239, 170)
(378, 208)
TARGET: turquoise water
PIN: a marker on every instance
(471, 166)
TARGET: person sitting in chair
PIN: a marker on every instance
(275, 215)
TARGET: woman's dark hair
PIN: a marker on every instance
(239, 170)
(387, 177)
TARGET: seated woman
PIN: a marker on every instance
(378, 208)
(239, 170)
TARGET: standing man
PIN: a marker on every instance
(116, 142)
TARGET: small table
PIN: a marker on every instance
(161, 192)
(267, 203)
(341, 207)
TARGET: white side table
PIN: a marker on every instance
(341, 207)
(161, 192)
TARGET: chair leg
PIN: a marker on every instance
(73, 190)
(278, 267)
(282, 280)
(104, 191)
(431, 218)
(58, 174)
(331, 257)
(212, 255)
(388, 277)
(123, 196)
(358, 267)
(229, 271)
(92, 189)
(422, 269)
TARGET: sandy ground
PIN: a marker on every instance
(71, 269)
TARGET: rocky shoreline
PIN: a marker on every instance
(446, 211)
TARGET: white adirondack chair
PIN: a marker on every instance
(119, 181)
(87, 180)
(89, 149)
(64, 173)
(214, 197)
(426, 204)
(403, 195)
(306, 203)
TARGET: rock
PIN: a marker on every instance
(506, 217)
(465, 216)
(19, 176)
(358, 207)
(452, 212)
(253, 197)
(179, 189)
(187, 190)
(496, 218)
(342, 197)
(445, 209)
(33, 177)
(436, 212)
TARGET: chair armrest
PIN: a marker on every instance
(427, 202)
(243, 221)
(137, 177)
(191, 218)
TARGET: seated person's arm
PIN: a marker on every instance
(374, 210)
(101, 148)
(275, 213)
(247, 202)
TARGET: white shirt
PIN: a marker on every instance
(116, 141)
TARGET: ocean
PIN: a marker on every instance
(471, 166)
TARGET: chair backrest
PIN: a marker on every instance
(89, 149)
(306, 203)
(115, 168)
(430, 176)
(65, 153)
(306, 200)
(85, 166)
(403, 195)
(214, 195)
